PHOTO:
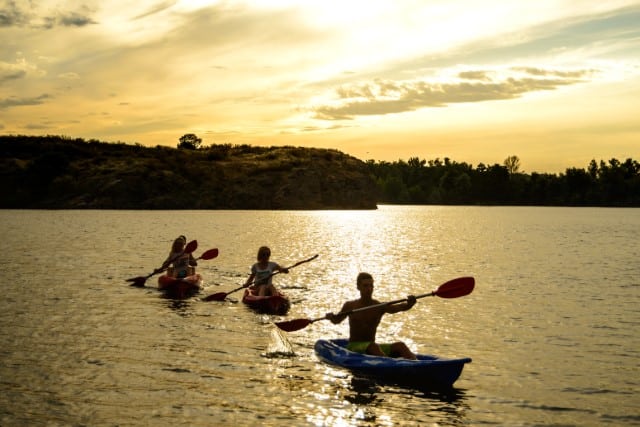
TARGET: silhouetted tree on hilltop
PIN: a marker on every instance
(190, 141)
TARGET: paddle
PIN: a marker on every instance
(210, 254)
(140, 280)
(220, 296)
(452, 289)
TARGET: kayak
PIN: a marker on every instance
(427, 371)
(185, 287)
(271, 304)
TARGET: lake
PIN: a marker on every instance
(552, 325)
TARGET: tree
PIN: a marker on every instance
(190, 141)
(512, 163)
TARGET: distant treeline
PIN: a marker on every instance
(59, 172)
(417, 181)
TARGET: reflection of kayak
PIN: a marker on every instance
(272, 304)
(180, 288)
(427, 371)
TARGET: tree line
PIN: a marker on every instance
(61, 172)
(56, 172)
(417, 181)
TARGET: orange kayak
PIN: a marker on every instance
(271, 304)
(185, 287)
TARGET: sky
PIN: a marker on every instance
(556, 83)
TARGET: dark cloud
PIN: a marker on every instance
(386, 97)
(14, 15)
(37, 126)
(75, 19)
(68, 19)
(11, 15)
(18, 102)
(6, 75)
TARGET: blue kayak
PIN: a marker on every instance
(427, 371)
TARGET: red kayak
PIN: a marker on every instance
(271, 304)
(185, 287)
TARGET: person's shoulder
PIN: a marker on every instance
(351, 304)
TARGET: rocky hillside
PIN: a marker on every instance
(62, 173)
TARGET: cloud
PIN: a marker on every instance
(72, 19)
(474, 75)
(17, 102)
(568, 48)
(381, 97)
(69, 76)
(18, 70)
(161, 7)
(37, 126)
(8, 74)
(575, 74)
(13, 15)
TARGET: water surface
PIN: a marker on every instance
(551, 326)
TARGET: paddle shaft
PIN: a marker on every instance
(189, 248)
(369, 307)
(210, 254)
(286, 268)
(452, 289)
(220, 296)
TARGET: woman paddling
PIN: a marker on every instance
(179, 263)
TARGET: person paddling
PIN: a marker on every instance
(364, 324)
(179, 263)
(262, 273)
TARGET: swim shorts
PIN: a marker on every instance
(361, 347)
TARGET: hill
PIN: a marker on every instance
(54, 172)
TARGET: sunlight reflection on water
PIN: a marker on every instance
(553, 317)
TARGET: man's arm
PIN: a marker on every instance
(337, 318)
(403, 306)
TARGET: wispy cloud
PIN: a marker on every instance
(69, 19)
(9, 74)
(380, 97)
(17, 70)
(156, 8)
(16, 102)
(13, 14)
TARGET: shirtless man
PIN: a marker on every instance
(363, 324)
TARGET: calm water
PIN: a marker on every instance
(552, 326)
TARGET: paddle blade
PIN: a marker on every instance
(456, 287)
(210, 254)
(220, 296)
(137, 281)
(293, 325)
(191, 246)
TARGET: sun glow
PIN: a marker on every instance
(379, 80)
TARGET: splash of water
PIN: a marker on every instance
(279, 346)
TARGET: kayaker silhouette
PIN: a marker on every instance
(364, 324)
(179, 263)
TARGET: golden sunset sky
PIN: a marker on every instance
(556, 83)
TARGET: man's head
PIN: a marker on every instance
(364, 282)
